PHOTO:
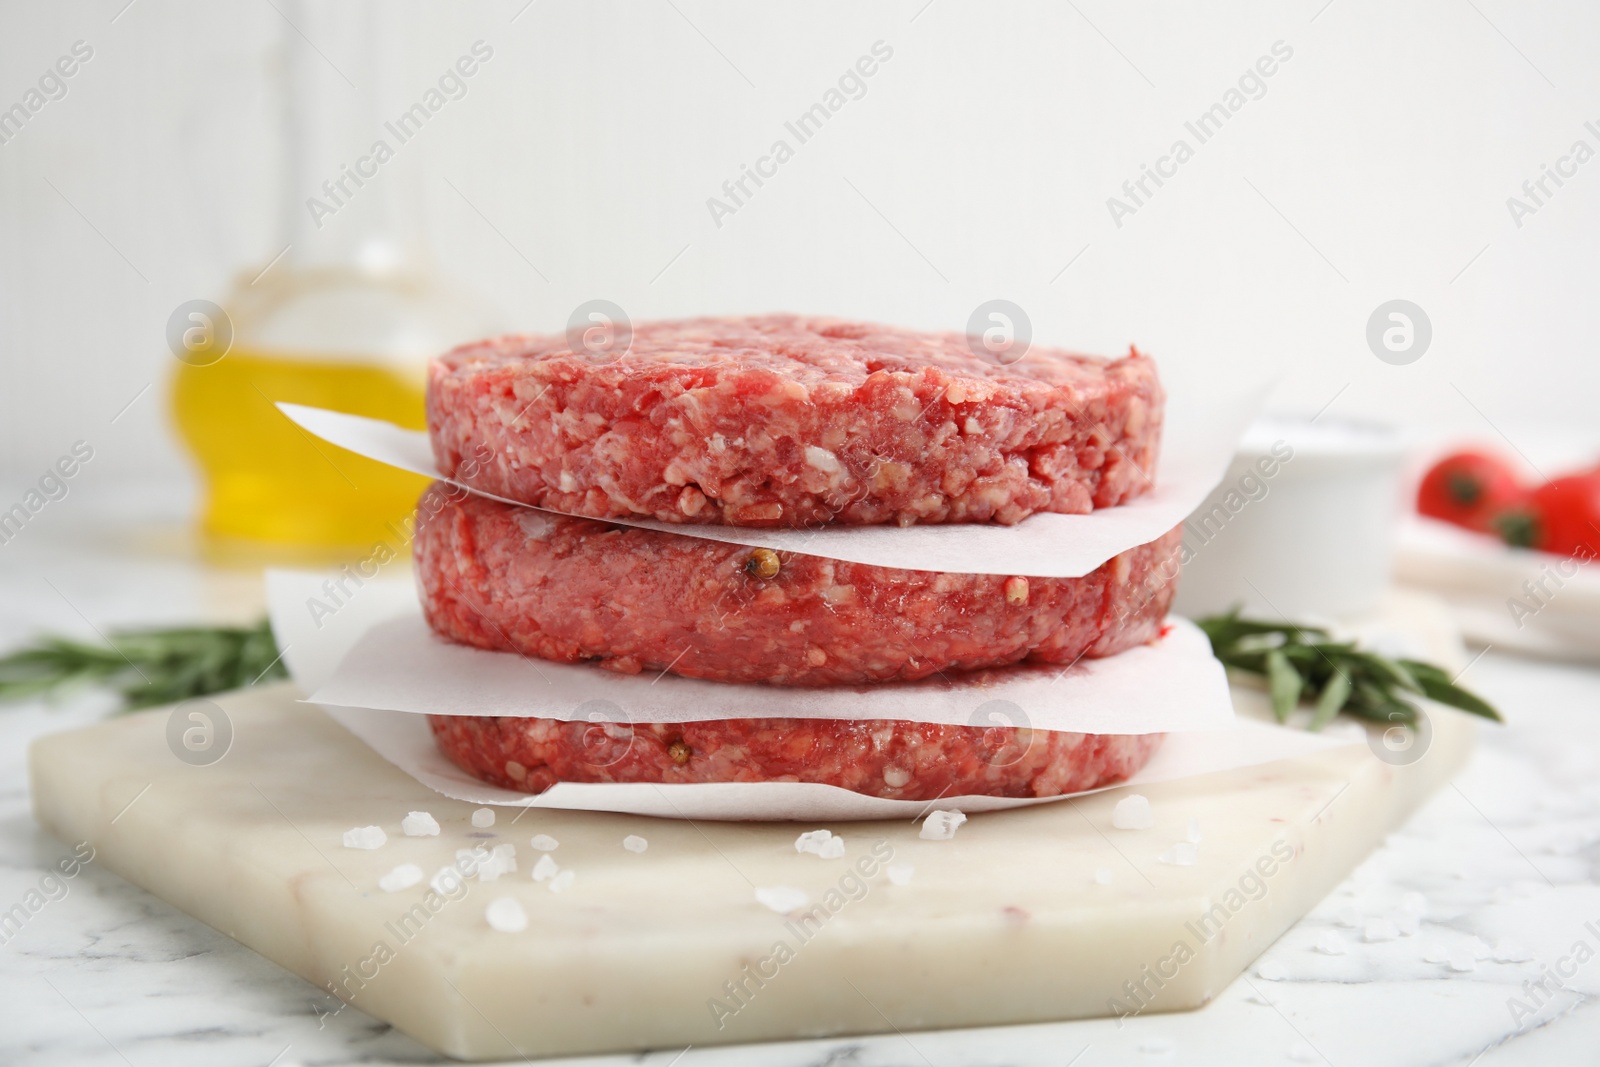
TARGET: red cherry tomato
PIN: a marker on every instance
(1561, 516)
(1469, 489)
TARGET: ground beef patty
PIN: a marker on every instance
(509, 578)
(779, 420)
(895, 760)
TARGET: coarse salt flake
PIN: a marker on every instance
(402, 877)
(782, 898)
(1510, 950)
(941, 825)
(544, 842)
(1181, 854)
(1331, 944)
(365, 837)
(563, 881)
(505, 914)
(1380, 930)
(1272, 971)
(635, 843)
(1102, 876)
(546, 869)
(900, 873)
(483, 818)
(1132, 813)
(502, 860)
(820, 843)
(420, 824)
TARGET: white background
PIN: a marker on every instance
(1376, 166)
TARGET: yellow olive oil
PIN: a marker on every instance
(267, 480)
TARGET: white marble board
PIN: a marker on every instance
(1007, 922)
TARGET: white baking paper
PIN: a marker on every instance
(315, 643)
(402, 665)
(1198, 441)
(389, 660)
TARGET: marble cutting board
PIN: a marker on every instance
(1033, 914)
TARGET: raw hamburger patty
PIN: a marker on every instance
(896, 760)
(514, 579)
(779, 420)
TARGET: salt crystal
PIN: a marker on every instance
(635, 843)
(1331, 944)
(1102, 876)
(941, 825)
(1380, 930)
(470, 861)
(503, 860)
(1480, 949)
(544, 842)
(1510, 950)
(563, 881)
(782, 898)
(1194, 832)
(483, 818)
(1157, 1046)
(1182, 854)
(365, 837)
(1272, 971)
(1407, 923)
(402, 877)
(900, 873)
(546, 868)
(1348, 918)
(1132, 813)
(420, 824)
(1462, 962)
(820, 843)
(506, 915)
(1435, 953)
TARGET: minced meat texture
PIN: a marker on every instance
(784, 421)
(890, 759)
(508, 578)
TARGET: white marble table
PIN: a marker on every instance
(1504, 866)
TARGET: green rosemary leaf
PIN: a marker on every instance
(1333, 697)
(1284, 683)
(1436, 685)
(1305, 662)
(146, 667)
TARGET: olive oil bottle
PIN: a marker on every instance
(345, 317)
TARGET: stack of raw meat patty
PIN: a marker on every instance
(781, 421)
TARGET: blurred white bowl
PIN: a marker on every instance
(1301, 526)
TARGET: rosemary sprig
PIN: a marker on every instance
(146, 667)
(1306, 663)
